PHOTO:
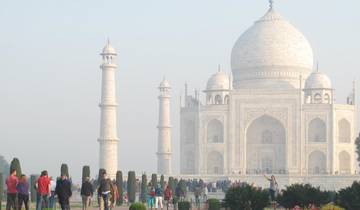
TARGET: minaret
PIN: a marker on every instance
(108, 130)
(164, 128)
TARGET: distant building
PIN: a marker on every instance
(275, 114)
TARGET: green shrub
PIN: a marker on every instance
(184, 205)
(131, 186)
(331, 207)
(15, 164)
(137, 206)
(213, 204)
(119, 185)
(246, 197)
(144, 190)
(85, 173)
(349, 198)
(162, 182)
(154, 180)
(33, 179)
(303, 195)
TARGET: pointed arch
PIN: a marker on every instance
(317, 130)
(215, 163)
(344, 131)
(215, 131)
(317, 163)
(266, 146)
(344, 163)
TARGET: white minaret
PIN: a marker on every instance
(164, 128)
(108, 131)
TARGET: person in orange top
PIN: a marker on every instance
(11, 183)
(43, 190)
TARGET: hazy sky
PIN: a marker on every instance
(50, 76)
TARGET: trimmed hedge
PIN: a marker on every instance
(137, 206)
(119, 185)
(184, 205)
(85, 173)
(213, 204)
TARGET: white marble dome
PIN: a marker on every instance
(218, 81)
(272, 50)
(318, 80)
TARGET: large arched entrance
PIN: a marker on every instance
(266, 146)
(215, 163)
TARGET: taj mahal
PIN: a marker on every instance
(274, 114)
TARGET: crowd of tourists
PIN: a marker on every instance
(50, 191)
(18, 191)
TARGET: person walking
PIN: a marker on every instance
(63, 192)
(158, 197)
(23, 192)
(104, 192)
(11, 183)
(43, 191)
(87, 192)
(273, 186)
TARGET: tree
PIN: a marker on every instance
(15, 164)
(119, 185)
(131, 186)
(246, 197)
(154, 180)
(4, 166)
(171, 183)
(85, 172)
(357, 143)
(1, 188)
(303, 195)
(349, 198)
(33, 179)
(64, 170)
(144, 191)
(162, 182)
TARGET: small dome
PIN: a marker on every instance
(218, 81)
(164, 84)
(318, 80)
(108, 49)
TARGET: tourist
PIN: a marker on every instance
(104, 192)
(23, 192)
(43, 190)
(151, 197)
(167, 196)
(63, 192)
(11, 183)
(273, 186)
(52, 202)
(158, 197)
(87, 192)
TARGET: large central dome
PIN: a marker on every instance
(271, 54)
